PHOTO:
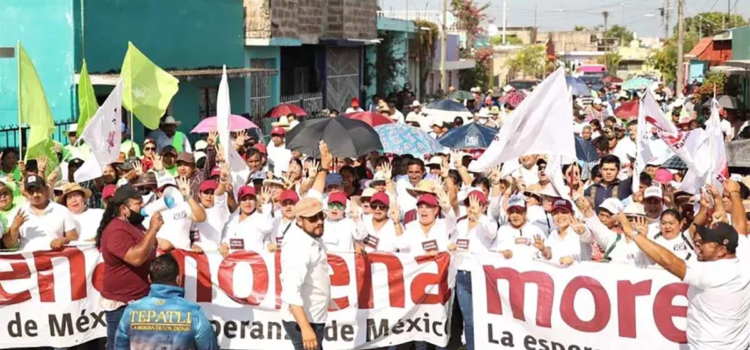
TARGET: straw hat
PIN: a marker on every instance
(424, 186)
(71, 187)
(282, 123)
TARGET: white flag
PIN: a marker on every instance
(643, 148)
(223, 110)
(718, 171)
(103, 134)
(542, 124)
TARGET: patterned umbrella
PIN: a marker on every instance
(283, 110)
(637, 84)
(405, 139)
(469, 136)
(371, 118)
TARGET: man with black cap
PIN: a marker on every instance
(166, 161)
(719, 284)
(39, 224)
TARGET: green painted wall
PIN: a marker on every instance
(741, 43)
(45, 29)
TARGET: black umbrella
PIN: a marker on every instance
(585, 150)
(345, 137)
(674, 163)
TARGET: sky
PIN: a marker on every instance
(641, 16)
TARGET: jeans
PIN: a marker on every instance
(113, 320)
(463, 297)
(295, 333)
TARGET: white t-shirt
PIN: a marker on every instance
(207, 234)
(682, 245)
(718, 304)
(176, 228)
(250, 234)
(519, 241)
(40, 230)
(415, 242)
(383, 240)
(87, 223)
(339, 236)
(573, 245)
(477, 240)
(280, 228)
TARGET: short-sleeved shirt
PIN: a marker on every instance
(87, 223)
(40, 230)
(123, 282)
(176, 228)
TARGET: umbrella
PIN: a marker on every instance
(674, 163)
(726, 102)
(405, 139)
(371, 118)
(611, 79)
(236, 123)
(345, 137)
(461, 95)
(283, 110)
(513, 98)
(627, 110)
(469, 136)
(636, 84)
(585, 150)
(445, 111)
(577, 86)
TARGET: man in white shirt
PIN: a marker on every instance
(354, 107)
(167, 135)
(305, 283)
(39, 224)
(719, 285)
(276, 150)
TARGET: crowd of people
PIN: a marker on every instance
(420, 205)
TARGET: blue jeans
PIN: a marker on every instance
(463, 297)
(113, 320)
(295, 333)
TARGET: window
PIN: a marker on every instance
(207, 101)
(260, 89)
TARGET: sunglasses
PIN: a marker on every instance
(287, 203)
(316, 218)
(247, 198)
(208, 192)
(338, 206)
(378, 206)
(149, 148)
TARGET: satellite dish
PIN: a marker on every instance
(492, 30)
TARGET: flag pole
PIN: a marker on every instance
(20, 128)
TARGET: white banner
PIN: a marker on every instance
(52, 298)
(535, 305)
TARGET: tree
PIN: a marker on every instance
(611, 60)
(579, 28)
(665, 59)
(709, 23)
(469, 16)
(510, 39)
(622, 33)
(530, 60)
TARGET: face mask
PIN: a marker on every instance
(135, 218)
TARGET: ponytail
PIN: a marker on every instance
(107, 217)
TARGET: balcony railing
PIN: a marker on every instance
(426, 15)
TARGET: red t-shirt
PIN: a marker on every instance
(122, 281)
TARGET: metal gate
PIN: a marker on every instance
(260, 90)
(343, 77)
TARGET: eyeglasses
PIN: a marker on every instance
(378, 206)
(312, 219)
(208, 192)
(338, 206)
(10, 194)
(149, 148)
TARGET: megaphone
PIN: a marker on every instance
(171, 197)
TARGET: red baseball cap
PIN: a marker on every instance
(289, 195)
(216, 171)
(427, 198)
(479, 195)
(355, 102)
(380, 197)
(209, 185)
(108, 192)
(261, 147)
(246, 191)
(337, 197)
(278, 131)
(562, 204)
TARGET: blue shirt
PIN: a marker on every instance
(164, 319)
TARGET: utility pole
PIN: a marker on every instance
(666, 19)
(680, 38)
(443, 48)
(533, 41)
(729, 14)
(505, 20)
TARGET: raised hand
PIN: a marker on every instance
(41, 164)
(538, 243)
(265, 194)
(387, 171)
(326, 159)
(475, 211)
(567, 261)
(240, 139)
(353, 211)
(212, 137)
(137, 165)
(224, 175)
(444, 200)
(577, 226)
(158, 164)
(184, 185)
(507, 254)
(394, 213)
(20, 218)
(495, 173)
(312, 170)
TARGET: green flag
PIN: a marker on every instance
(87, 105)
(147, 89)
(34, 111)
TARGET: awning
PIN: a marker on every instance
(188, 75)
(728, 70)
(744, 64)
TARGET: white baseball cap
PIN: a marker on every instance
(597, 101)
(634, 209)
(165, 180)
(653, 192)
(415, 103)
(435, 160)
(612, 205)
(517, 201)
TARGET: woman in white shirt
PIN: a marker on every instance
(206, 235)
(570, 241)
(473, 234)
(429, 234)
(248, 229)
(381, 231)
(87, 220)
(617, 247)
(283, 223)
(341, 232)
(175, 233)
(516, 238)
